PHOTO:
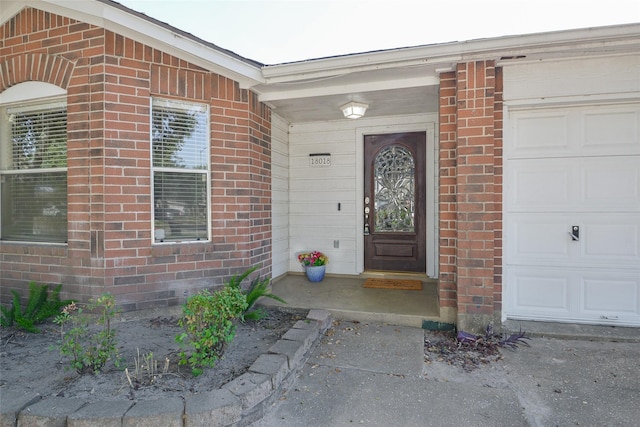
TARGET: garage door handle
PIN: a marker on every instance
(575, 233)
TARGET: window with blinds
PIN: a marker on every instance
(33, 173)
(180, 158)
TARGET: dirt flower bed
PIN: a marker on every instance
(31, 363)
(443, 347)
(467, 351)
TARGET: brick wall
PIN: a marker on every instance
(109, 81)
(470, 197)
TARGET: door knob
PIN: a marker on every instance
(575, 233)
(366, 215)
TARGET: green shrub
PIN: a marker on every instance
(208, 319)
(40, 307)
(88, 347)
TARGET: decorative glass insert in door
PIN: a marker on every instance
(394, 186)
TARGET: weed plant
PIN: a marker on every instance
(90, 342)
(145, 371)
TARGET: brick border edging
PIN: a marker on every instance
(238, 403)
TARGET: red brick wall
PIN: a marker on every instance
(470, 197)
(109, 81)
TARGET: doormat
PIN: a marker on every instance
(398, 284)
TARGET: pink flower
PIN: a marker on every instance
(313, 258)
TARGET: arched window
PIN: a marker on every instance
(33, 163)
(394, 186)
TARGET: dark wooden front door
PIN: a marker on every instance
(394, 203)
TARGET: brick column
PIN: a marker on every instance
(476, 207)
(470, 195)
(498, 189)
(447, 198)
(260, 233)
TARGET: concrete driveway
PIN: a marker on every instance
(375, 374)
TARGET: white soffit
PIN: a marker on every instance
(354, 82)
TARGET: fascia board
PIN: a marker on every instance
(332, 67)
(120, 21)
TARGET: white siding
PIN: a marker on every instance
(584, 80)
(315, 192)
(279, 195)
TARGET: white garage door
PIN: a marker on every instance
(566, 168)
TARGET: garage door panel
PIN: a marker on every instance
(547, 293)
(545, 239)
(606, 183)
(613, 240)
(538, 185)
(537, 291)
(534, 240)
(610, 296)
(611, 131)
(610, 183)
(544, 134)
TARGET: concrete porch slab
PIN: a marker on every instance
(346, 298)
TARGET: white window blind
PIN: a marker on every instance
(180, 152)
(33, 178)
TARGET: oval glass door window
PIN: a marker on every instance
(394, 185)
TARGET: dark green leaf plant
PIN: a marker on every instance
(40, 306)
(257, 289)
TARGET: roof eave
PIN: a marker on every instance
(626, 36)
(140, 27)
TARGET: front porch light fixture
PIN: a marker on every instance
(354, 110)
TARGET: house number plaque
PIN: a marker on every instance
(319, 159)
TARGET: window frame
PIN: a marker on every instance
(21, 99)
(166, 103)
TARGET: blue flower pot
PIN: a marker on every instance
(315, 273)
